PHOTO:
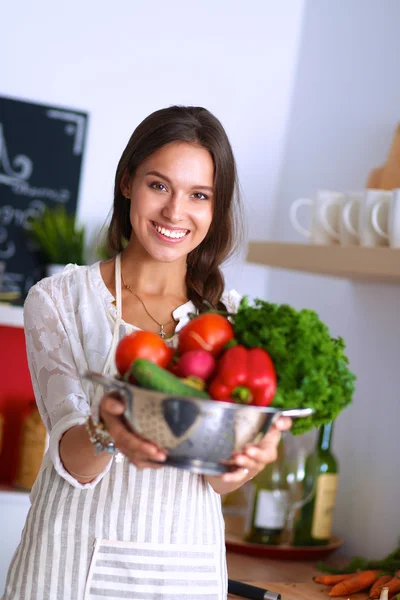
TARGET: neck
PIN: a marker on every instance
(325, 436)
(150, 277)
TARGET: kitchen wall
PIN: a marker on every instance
(345, 106)
(121, 63)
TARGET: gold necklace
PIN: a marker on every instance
(161, 333)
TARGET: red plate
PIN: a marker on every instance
(235, 544)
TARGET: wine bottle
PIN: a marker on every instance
(270, 502)
(314, 526)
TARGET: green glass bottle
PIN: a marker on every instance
(314, 526)
(270, 502)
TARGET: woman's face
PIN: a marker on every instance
(171, 200)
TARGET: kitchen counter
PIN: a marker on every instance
(291, 579)
(249, 568)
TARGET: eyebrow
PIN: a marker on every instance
(197, 187)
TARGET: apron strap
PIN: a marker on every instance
(110, 357)
(118, 297)
(118, 286)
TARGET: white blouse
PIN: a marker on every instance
(69, 321)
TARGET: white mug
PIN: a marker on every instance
(325, 214)
(388, 211)
(369, 236)
(349, 218)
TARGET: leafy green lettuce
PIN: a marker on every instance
(311, 366)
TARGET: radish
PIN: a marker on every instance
(196, 363)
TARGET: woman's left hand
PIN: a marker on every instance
(251, 460)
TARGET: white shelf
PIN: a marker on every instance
(350, 262)
(11, 316)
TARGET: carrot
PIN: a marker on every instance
(333, 579)
(359, 582)
(376, 589)
(394, 585)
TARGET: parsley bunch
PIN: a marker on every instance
(311, 366)
(389, 564)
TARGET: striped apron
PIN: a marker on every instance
(141, 534)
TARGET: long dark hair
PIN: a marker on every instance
(194, 125)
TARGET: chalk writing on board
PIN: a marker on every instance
(41, 149)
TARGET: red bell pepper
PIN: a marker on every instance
(244, 375)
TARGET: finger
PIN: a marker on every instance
(130, 444)
(238, 476)
(136, 449)
(112, 411)
(284, 423)
(245, 462)
(113, 405)
(262, 456)
(137, 454)
(267, 450)
(270, 439)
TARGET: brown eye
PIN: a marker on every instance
(156, 185)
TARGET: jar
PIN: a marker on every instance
(31, 449)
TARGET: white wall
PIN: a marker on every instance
(346, 104)
(122, 61)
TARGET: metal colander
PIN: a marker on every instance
(199, 435)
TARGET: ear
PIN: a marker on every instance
(125, 184)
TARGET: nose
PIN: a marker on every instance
(174, 208)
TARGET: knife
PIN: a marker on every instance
(250, 591)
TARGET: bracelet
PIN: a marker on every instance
(99, 436)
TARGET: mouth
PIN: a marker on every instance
(170, 234)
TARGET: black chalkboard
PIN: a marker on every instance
(41, 151)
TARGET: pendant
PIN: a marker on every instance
(162, 334)
(119, 457)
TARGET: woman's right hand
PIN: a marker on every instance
(138, 450)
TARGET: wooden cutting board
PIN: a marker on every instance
(387, 177)
(299, 591)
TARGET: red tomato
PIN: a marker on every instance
(208, 331)
(142, 344)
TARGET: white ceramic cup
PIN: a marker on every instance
(325, 216)
(386, 219)
(369, 236)
(349, 218)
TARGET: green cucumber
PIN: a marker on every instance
(153, 377)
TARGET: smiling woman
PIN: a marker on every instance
(169, 215)
(100, 526)
(184, 155)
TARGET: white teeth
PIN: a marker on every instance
(169, 233)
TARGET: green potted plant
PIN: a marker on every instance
(56, 235)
